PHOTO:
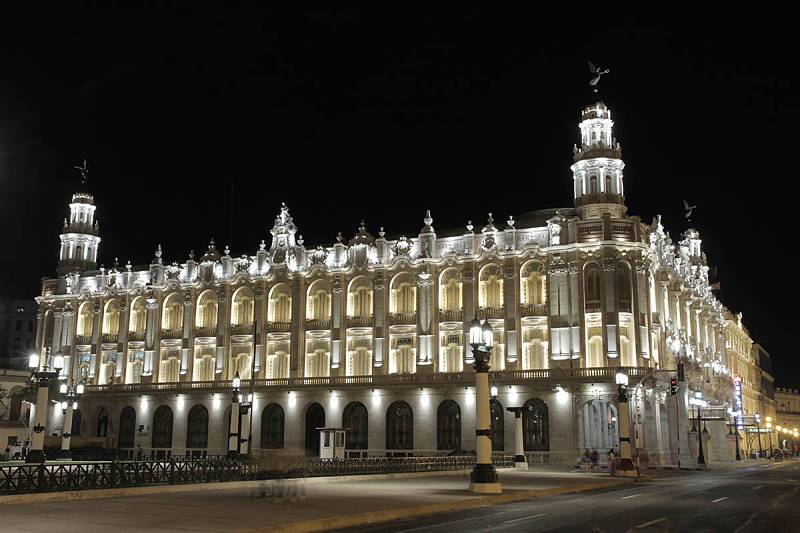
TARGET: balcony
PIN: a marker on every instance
(624, 306)
(318, 323)
(280, 326)
(360, 321)
(451, 315)
(110, 337)
(241, 329)
(205, 331)
(534, 310)
(83, 339)
(492, 312)
(171, 333)
(136, 335)
(593, 306)
(396, 319)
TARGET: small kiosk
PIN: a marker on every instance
(331, 443)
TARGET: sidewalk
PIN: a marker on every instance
(329, 503)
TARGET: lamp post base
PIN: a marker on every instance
(484, 480)
(35, 456)
(520, 463)
(626, 468)
(486, 488)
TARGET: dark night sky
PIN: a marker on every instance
(349, 113)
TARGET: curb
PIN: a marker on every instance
(376, 517)
(94, 494)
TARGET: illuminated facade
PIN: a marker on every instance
(370, 332)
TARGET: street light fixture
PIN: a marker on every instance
(484, 476)
(626, 461)
(68, 405)
(43, 377)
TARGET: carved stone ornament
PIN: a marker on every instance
(402, 246)
(380, 280)
(187, 298)
(73, 278)
(174, 270)
(488, 242)
(243, 264)
(319, 256)
(336, 284)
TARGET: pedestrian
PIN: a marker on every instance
(586, 459)
(595, 458)
(612, 462)
(6, 455)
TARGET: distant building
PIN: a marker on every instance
(13, 408)
(788, 401)
(17, 332)
(768, 406)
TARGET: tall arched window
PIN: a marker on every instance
(206, 315)
(450, 290)
(533, 284)
(593, 288)
(280, 303)
(356, 420)
(359, 297)
(272, 421)
(491, 287)
(242, 307)
(85, 319)
(403, 294)
(111, 318)
(448, 426)
(623, 276)
(596, 351)
(197, 428)
(399, 427)
(535, 426)
(593, 182)
(138, 320)
(127, 427)
(172, 312)
(498, 426)
(318, 302)
(102, 422)
(315, 418)
(162, 427)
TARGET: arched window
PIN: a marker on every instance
(162, 427)
(355, 419)
(272, 421)
(399, 427)
(623, 275)
(498, 426)
(85, 320)
(596, 351)
(318, 303)
(403, 294)
(359, 297)
(608, 183)
(197, 428)
(138, 320)
(448, 426)
(593, 184)
(535, 427)
(172, 313)
(491, 287)
(102, 422)
(450, 290)
(75, 431)
(593, 290)
(315, 418)
(111, 318)
(242, 307)
(207, 306)
(280, 303)
(127, 427)
(533, 281)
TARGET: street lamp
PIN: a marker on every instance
(757, 418)
(233, 434)
(698, 402)
(43, 376)
(625, 462)
(769, 432)
(68, 405)
(484, 477)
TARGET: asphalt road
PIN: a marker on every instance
(759, 498)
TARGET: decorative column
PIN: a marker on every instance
(520, 463)
(379, 342)
(425, 316)
(122, 347)
(151, 335)
(97, 356)
(484, 478)
(338, 310)
(511, 299)
(187, 337)
(223, 323)
(626, 467)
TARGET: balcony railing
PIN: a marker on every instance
(83, 339)
(136, 335)
(205, 331)
(451, 315)
(318, 323)
(280, 326)
(171, 333)
(110, 337)
(506, 377)
(241, 329)
(359, 321)
(492, 312)
(402, 318)
(534, 310)
(593, 306)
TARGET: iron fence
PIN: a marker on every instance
(67, 476)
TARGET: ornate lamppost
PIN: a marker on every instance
(233, 434)
(484, 477)
(769, 433)
(697, 402)
(757, 418)
(69, 403)
(42, 377)
(626, 467)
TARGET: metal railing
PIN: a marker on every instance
(69, 476)
(534, 310)
(241, 329)
(172, 333)
(492, 312)
(280, 326)
(318, 323)
(109, 337)
(359, 321)
(136, 335)
(467, 378)
(402, 318)
(205, 331)
(451, 315)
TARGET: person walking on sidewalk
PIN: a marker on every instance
(612, 462)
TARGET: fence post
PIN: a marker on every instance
(40, 477)
(171, 471)
(112, 478)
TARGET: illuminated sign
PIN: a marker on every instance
(737, 399)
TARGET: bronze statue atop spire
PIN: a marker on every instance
(596, 73)
(84, 170)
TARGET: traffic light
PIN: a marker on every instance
(673, 386)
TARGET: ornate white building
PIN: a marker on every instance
(370, 333)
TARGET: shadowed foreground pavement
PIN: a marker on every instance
(758, 498)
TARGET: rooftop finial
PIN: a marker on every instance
(84, 170)
(596, 73)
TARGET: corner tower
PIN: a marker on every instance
(80, 238)
(597, 171)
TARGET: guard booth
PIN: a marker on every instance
(331, 443)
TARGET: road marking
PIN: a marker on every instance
(719, 499)
(525, 518)
(792, 480)
(632, 496)
(759, 487)
(650, 523)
